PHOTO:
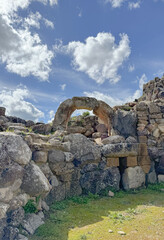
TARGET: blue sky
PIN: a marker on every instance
(51, 50)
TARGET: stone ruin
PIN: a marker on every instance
(120, 147)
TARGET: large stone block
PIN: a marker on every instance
(133, 178)
(161, 178)
(96, 181)
(34, 181)
(120, 150)
(17, 150)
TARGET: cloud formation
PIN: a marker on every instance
(21, 50)
(116, 3)
(113, 101)
(134, 5)
(16, 104)
(99, 57)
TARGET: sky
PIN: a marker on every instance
(52, 50)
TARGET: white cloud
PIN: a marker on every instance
(51, 116)
(33, 20)
(63, 86)
(99, 57)
(134, 5)
(16, 104)
(48, 23)
(116, 3)
(21, 51)
(131, 68)
(113, 101)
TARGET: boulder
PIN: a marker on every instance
(34, 181)
(15, 217)
(133, 177)
(2, 111)
(96, 181)
(39, 156)
(125, 123)
(113, 140)
(32, 222)
(42, 128)
(152, 177)
(10, 174)
(83, 149)
(3, 209)
(161, 178)
(10, 233)
(120, 150)
(16, 149)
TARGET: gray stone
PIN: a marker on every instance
(3, 224)
(18, 201)
(113, 140)
(45, 206)
(120, 150)
(10, 174)
(39, 156)
(42, 128)
(153, 153)
(125, 123)
(82, 148)
(152, 177)
(22, 237)
(32, 222)
(10, 233)
(17, 150)
(58, 164)
(161, 178)
(15, 217)
(96, 181)
(34, 181)
(3, 209)
(131, 140)
(133, 178)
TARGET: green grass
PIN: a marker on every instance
(140, 214)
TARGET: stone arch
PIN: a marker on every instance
(66, 108)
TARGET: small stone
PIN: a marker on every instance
(121, 233)
(110, 231)
(111, 194)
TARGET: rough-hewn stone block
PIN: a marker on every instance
(143, 149)
(131, 161)
(112, 162)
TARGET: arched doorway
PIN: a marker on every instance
(66, 108)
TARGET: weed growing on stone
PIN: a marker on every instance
(30, 207)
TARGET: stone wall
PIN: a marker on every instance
(40, 165)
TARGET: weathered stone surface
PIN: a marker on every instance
(3, 224)
(89, 168)
(101, 128)
(113, 140)
(2, 111)
(83, 149)
(96, 181)
(15, 217)
(58, 164)
(17, 150)
(6, 194)
(32, 222)
(34, 181)
(153, 153)
(42, 128)
(112, 162)
(120, 150)
(125, 123)
(131, 161)
(133, 178)
(152, 177)
(10, 233)
(18, 201)
(39, 156)
(142, 149)
(22, 237)
(161, 178)
(3, 209)
(131, 140)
